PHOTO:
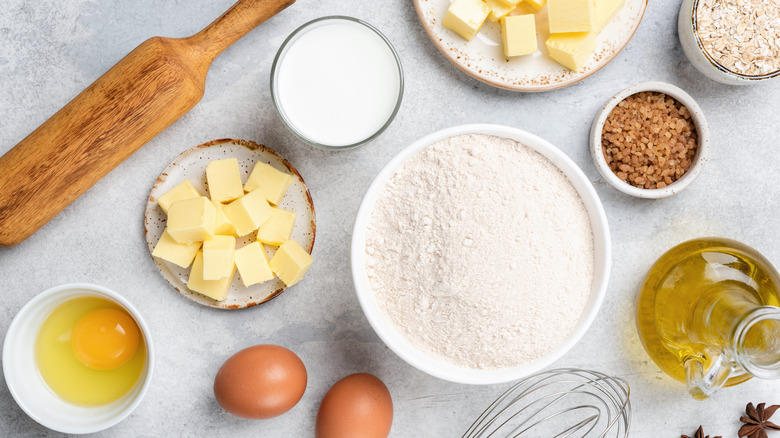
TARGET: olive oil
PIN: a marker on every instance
(694, 304)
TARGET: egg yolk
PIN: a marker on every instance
(105, 339)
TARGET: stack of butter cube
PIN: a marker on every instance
(573, 24)
(202, 232)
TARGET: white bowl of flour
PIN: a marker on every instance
(481, 254)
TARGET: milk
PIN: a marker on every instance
(337, 82)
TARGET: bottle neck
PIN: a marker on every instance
(733, 321)
(742, 337)
(756, 342)
(715, 318)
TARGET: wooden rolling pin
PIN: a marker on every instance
(150, 88)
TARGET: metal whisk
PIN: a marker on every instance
(565, 402)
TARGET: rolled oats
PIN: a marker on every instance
(741, 35)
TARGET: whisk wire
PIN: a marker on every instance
(558, 398)
(570, 431)
(572, 428)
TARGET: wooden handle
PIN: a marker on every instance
(236, 22)
(140, 96)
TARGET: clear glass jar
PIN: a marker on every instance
(348, 87)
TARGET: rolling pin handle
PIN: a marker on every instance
(236, 22)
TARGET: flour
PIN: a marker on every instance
(481, 252)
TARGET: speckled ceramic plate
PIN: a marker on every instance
(191, 164)
(482, 58)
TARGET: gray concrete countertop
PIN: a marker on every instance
(52, 49)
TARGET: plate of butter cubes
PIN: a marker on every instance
(230, 224)
(530, 45)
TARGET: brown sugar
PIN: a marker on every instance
(649, 140)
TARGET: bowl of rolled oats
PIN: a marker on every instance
(735, 42)
(650, 140)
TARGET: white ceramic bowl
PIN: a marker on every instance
(699, 160)
(694, 50)
(440, 368)
(26, 384)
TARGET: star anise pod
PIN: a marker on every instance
(699, 434)
(757, 421)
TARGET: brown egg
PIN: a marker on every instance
(357, 406)
(260, 382)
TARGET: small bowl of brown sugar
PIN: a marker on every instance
(650, 140)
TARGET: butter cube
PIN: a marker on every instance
(536, 4)
(605, 9)
(519, 35)
(248, 212)
(272, 182)
(507, 3)
(180, 254)
(571, 50)
(252, 263)
(214, 289)
(184, 190)
(218, 257)
(571, 15)
(290, 262)
(278, 228)
(499, 9)
(465, 17)
(222, 224)
(224, 180)
(191, 220)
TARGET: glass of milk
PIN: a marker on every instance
(337, 82)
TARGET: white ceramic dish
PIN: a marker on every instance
(440, 368)
(483, 59)
(28, 387)
(191, 164)
(694, 50)
(699, 160)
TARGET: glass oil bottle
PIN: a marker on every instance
(708, 314)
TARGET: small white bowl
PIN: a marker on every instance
(694, 50)
(28, 387)
(699, 159)
(385, 328)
